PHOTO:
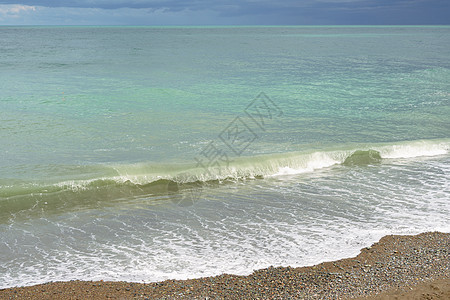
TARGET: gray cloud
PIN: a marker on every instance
(201, 4)
(281, 11)
(114, 4)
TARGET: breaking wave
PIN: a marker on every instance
(100, 185)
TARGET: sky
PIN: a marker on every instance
(225, 12)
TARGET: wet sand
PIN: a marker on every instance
(396, 267)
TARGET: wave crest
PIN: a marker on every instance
(158, 180)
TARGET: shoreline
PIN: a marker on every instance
(397, 266)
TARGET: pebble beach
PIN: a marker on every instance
(396, 267)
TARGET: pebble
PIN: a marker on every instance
(418, 258)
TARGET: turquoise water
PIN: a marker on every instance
(147, 153)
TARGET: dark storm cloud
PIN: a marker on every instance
(114, 4)
(281, 11)
(219, 4)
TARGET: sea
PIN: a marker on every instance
(150, 153)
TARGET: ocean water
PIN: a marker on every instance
(152, 153)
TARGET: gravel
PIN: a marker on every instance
(395, 267)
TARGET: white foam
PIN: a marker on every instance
(236, 235)
(414, 149)
(320, 160)
(314, 161)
